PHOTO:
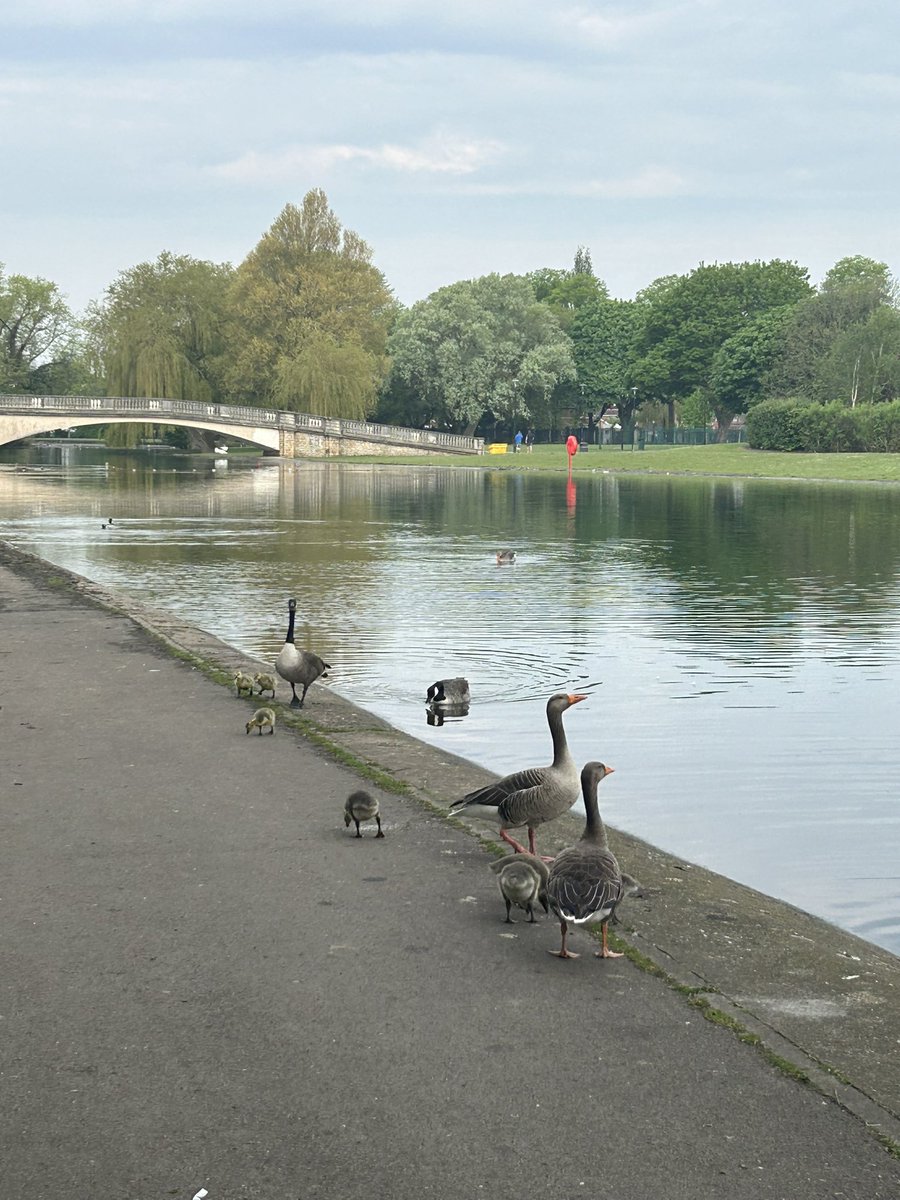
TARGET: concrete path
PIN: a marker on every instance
(208, 983)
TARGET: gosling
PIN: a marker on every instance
(265, 683)
(360, 806)
(263, 718)
(523, 881)
(243, 683)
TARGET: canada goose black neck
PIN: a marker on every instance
(292, 612)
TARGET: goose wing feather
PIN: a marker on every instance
(493, 795)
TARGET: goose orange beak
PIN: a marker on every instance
(576, 697)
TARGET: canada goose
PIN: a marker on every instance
(505, 556)
(536, 795)
(449, 692)
(264, 683)
(522, 881)
(585, 883)
(360, 806)
(263, 718)
(298, 666)
(243, 683)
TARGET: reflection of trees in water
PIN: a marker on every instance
(765, 563)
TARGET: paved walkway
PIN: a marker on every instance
(208, 983)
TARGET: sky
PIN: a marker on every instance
(457, 138)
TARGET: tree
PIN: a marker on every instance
(818, 360)
(740, 368)
(307, 302)
(604, 336)
(160, 332)
(481, 345)
(37, 330)
(688, 320)
(566, 292)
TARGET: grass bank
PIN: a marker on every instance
(725, 460)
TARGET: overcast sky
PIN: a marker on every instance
(458, 137)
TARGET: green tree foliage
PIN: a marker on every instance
(481, 345)
(688, 320)
(160, 332)
(740, 367)
(309, 317)
(37, 334)
(604, 336)
(566, 292)
(160, 329)
(842, 343)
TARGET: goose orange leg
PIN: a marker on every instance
(562, 952)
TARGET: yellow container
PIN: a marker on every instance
(498, 447)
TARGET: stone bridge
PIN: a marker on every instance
(289, 434)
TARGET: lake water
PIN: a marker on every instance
(739, 640)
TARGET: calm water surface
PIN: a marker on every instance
(740, 641)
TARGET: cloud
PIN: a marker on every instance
(439, 155)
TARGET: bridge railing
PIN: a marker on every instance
(166, 411)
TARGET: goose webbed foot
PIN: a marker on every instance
(604, 951)
(563, 951)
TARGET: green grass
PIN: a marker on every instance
(730, 459)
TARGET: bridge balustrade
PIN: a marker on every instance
(165, 411)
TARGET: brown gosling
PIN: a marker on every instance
(360, 806)
(264, 683)
(263, 718)
(243, 683)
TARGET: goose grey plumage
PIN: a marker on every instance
(585, 882)
(536, 795)
(523, 882)
(361, 806)
(298, 666)
(449, 692)
(506, 556)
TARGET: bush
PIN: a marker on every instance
(824, 428)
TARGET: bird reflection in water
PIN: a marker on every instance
(436, 715)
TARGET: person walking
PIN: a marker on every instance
(518, 441)
(529, 440)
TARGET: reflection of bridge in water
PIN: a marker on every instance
(289, 434)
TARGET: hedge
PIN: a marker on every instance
(824, 428)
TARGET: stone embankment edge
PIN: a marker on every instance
(399, 763)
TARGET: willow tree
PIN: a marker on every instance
(159, 332)
(309, 317)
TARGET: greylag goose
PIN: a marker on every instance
(523, 882)
(536, 795)
(505, 556)
(449, 692)
(298, 666)
(585, 883)
(360, 806)
(263, 718)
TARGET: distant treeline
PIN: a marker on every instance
(307, 323)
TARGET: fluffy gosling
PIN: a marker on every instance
(264, 683)
(263, 718)
(243, 684)
(360, 806)
(523, 881)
